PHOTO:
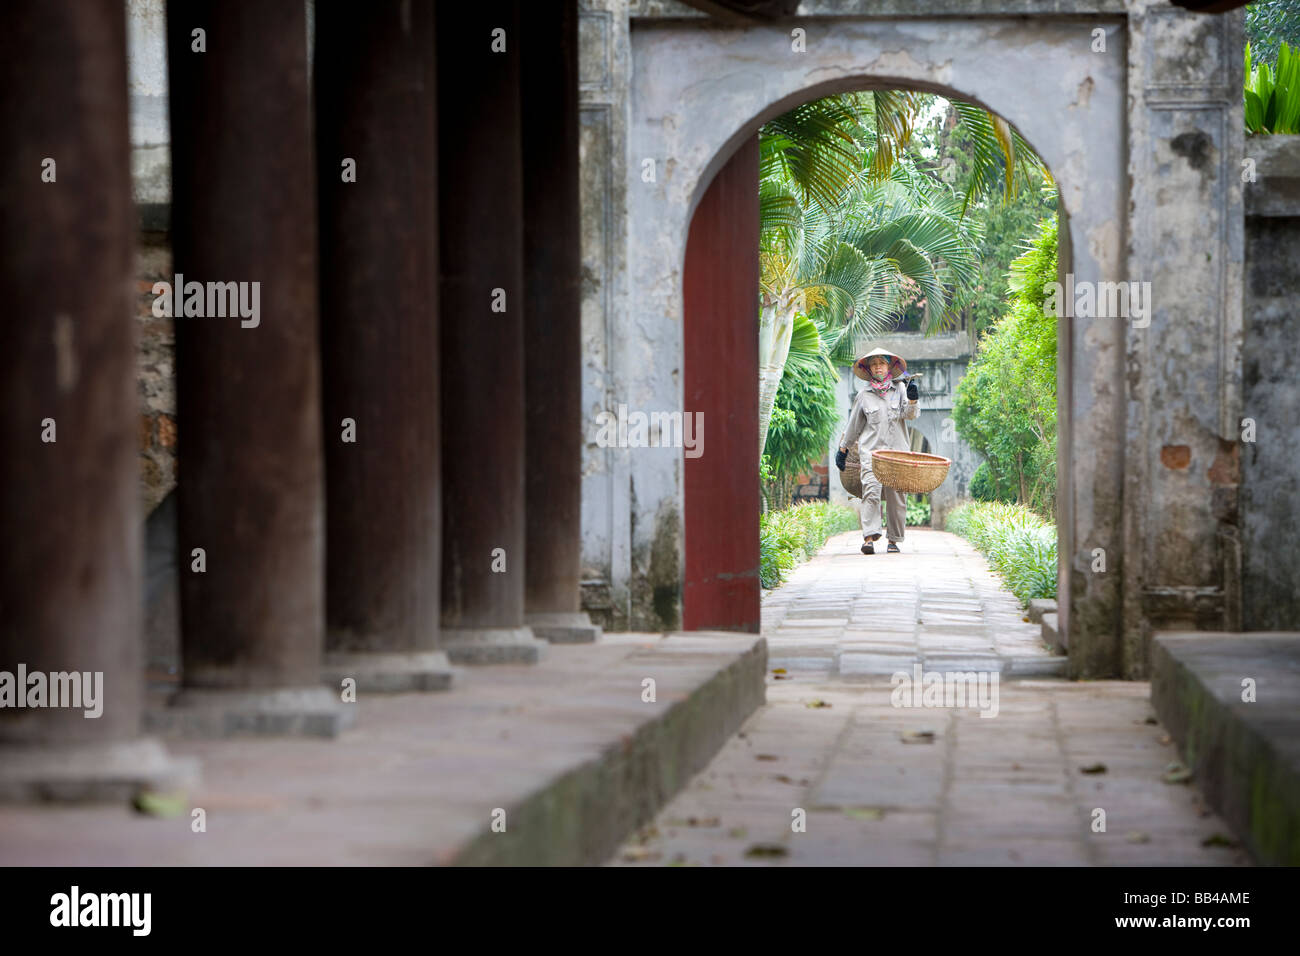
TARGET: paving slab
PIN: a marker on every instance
(880, 785)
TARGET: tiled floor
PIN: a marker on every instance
(834, 771)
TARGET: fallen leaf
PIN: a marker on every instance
(766, 757)
(767, 849)
(1150, 720)
(1165, 739)
(1176, 773)
(864, 813)
(1093, 768)
(737, 832)
(158, 804)
(1015, 766)
(918, 736)
(817, 703)
(703, 821)
(634, 853)
(1218, 839)
(779, 670)
(1137, 836)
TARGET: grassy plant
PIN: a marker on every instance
(1273, 96)
(795, 534)
(1017, 542)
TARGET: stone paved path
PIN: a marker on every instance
(883, 785)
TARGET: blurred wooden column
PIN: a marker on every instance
(552, 324)
(248, 396)
(377, 173)
(480, 207)
(70, 585)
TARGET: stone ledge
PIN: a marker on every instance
(1276, 189)
(1040, 606)
(566, 747)
(1052, 632)
(1245, 756)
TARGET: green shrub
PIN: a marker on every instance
(1005, 404)
(795, 534)
(918, 510)
(982, 487)
(1273, 96)
(1018, 543)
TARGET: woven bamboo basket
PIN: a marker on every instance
(910, 471)
(851, 476)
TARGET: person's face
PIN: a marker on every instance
(877, 366)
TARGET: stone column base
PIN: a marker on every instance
(383, 672)
(563, 627)
(116, 771)
(284, 711)
(491, 645)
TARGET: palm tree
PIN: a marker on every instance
(828, 279)
(845, 222)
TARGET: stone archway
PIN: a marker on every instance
(704, 95)
(1136, 107)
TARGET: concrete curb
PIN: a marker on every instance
(582, 816)
(1243, 756)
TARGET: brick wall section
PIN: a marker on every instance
(155, 364)
(813, 486)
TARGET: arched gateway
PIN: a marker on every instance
(1110, 101)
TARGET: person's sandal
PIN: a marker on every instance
(868, 548)
(893, 548)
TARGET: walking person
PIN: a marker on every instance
(876, 423)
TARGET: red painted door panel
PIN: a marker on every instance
(720, 290)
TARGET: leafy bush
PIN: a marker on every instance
(796, 533)
(1005, 404)
(983, 487)
(1273, 97)
(1018, 543)
(918, 510)
(804, 417)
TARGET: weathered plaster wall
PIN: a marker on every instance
(151, 185)
(698, 89)
(1182, 384)
(1270, 503)
(607, 481)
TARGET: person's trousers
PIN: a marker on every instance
(870, 509)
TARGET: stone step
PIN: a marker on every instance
(1244, 754)
(567, 756)
(1040, 606)
(1052, 633)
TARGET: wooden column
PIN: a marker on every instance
(377, 172)
(248, 399)
(480, 211)
(69, 485)
(552, 324)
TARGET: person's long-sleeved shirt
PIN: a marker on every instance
(876, 421)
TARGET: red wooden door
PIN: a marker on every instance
(720, 291)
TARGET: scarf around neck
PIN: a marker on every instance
(882, 387)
